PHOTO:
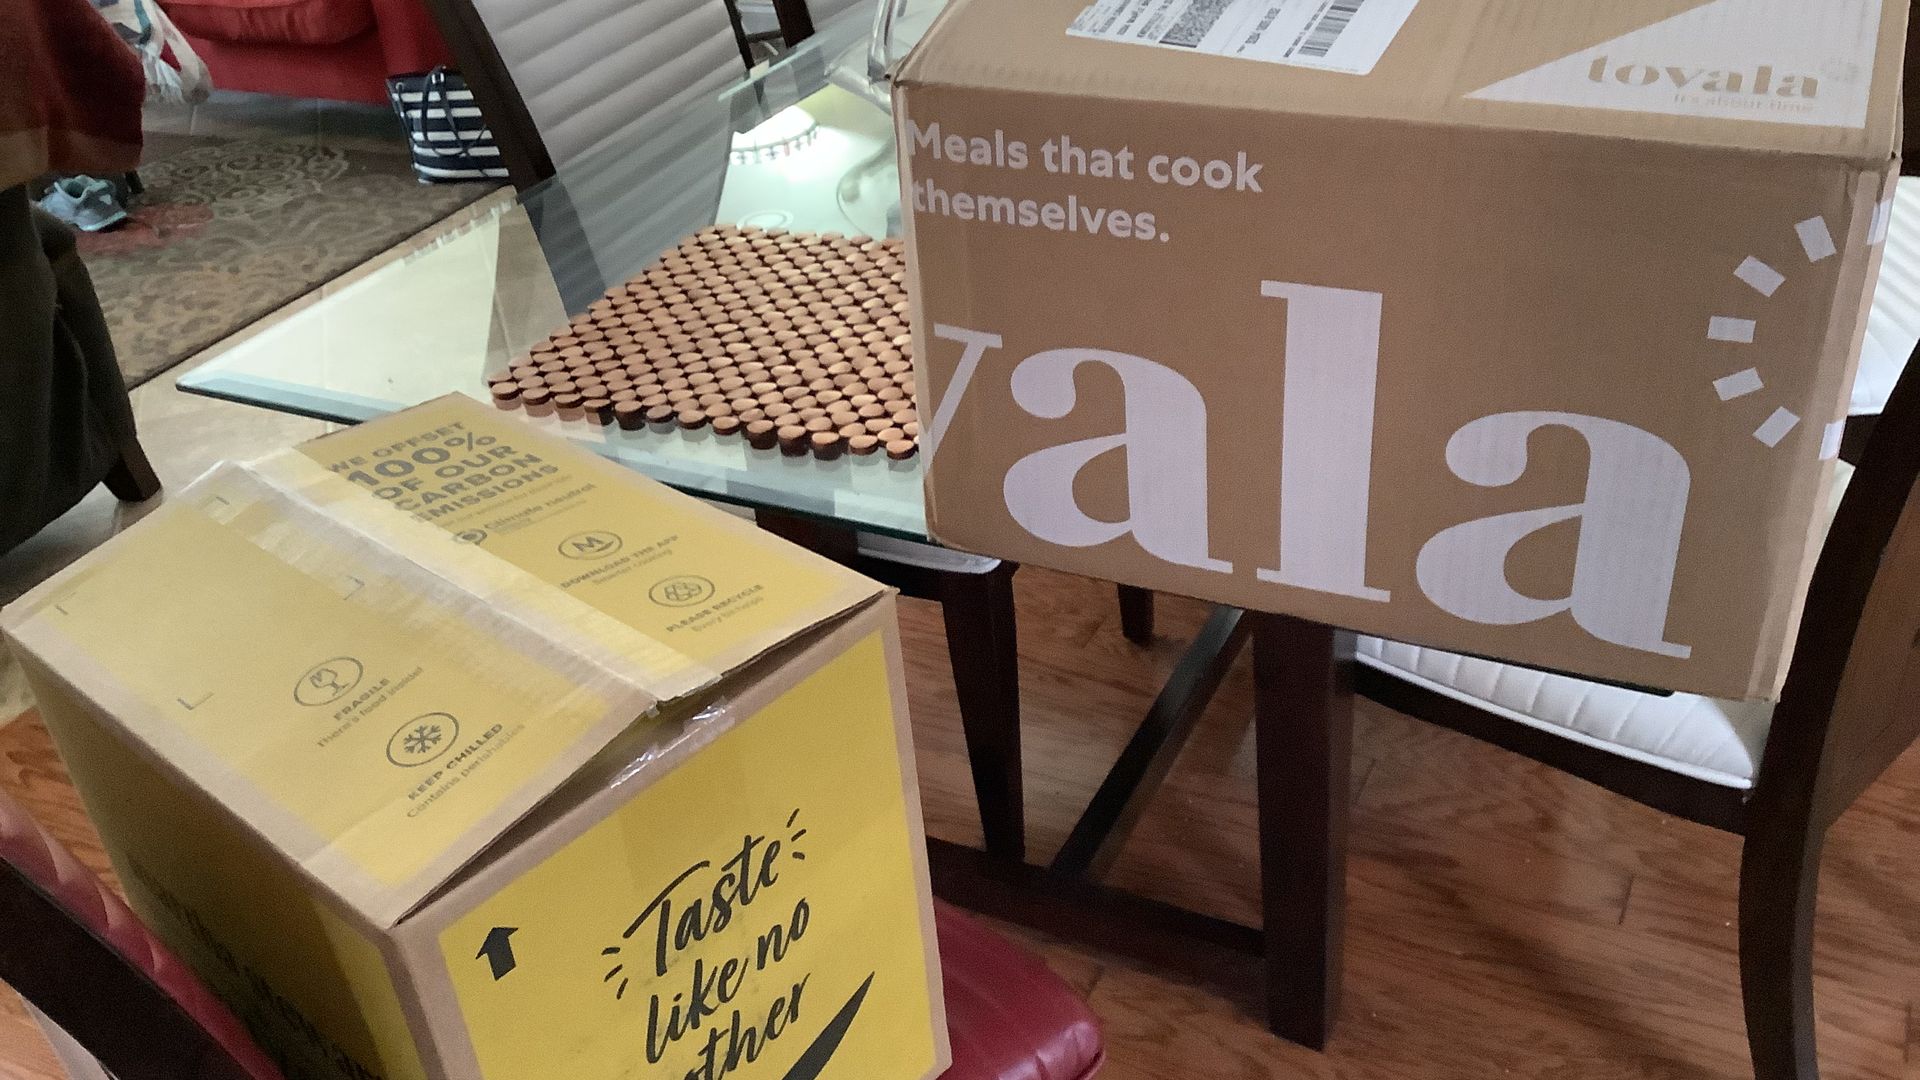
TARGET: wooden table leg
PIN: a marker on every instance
(984, 650)
(836, 542)
(1096, 839)
(985, 653)
(1303, 724)
(1303, 730)
(1303, 733)
(1136, 614)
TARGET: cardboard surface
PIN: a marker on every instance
(1477, 350)
(756, 924)
(1793, 76)
(305, 694)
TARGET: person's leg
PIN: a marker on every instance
(85, 323)
(65, 421)
(81, 334)
(27, 290)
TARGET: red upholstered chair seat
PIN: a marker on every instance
(1009, 1016)
(273, 22)
(51, 868)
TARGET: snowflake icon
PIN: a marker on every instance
(422, 739)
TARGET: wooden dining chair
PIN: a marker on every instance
(1777, 775)
(111, 997)
(799, 19)
(558, 79)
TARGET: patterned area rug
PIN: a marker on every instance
(231, 229)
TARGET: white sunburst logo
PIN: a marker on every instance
(1816, 241)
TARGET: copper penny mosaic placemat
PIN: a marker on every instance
(792, 341)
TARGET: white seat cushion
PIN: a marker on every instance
(1706, 738)
(1893, 323)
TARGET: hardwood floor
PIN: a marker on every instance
(1503, 917)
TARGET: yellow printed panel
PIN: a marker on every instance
(677, 572)
(314, 992)
(754, 913)
(385, 721)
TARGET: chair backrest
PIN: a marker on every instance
(557, 78)
(800, 18)
(1910, 96)
(1851, 703)
(85, 962)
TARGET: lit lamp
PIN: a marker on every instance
(785, 133)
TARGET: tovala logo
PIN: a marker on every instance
(1770, 61)
(1629, 522)
(1760, 80)
(1731, 334)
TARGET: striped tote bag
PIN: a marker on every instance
(448, 136)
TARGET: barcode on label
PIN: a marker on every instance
(1195, 22)
(1325, 31)
(1347, 36)
(1265, 24)
(1122, 18)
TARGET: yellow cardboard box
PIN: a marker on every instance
(442, 748)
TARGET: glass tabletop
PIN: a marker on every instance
(805, 144)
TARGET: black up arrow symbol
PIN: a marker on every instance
(498, 950)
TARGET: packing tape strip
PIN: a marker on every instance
(371, 872)
(652, 669)
(296, 532)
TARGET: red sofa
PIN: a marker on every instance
(337, 49)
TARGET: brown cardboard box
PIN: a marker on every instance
(1515, 327)
(442, 748)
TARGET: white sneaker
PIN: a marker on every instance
(85, 203)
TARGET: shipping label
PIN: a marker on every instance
(1332, 35)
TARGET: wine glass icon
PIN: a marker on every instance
(328, 681)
